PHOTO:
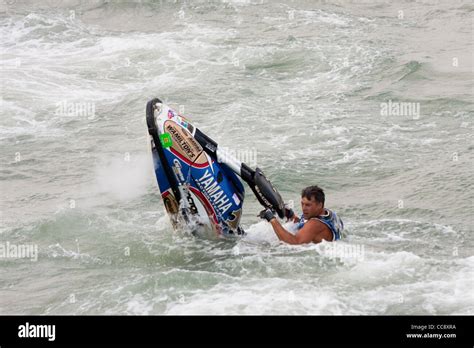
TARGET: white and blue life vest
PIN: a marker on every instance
(331, 220)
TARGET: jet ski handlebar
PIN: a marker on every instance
(263, 189)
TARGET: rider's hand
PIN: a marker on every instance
(266, 214)
(289, 213)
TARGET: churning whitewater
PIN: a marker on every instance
(370, 101)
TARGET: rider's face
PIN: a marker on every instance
(310, 208)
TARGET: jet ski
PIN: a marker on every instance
(199, 182)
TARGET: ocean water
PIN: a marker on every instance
(371, 100)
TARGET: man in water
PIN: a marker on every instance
(315, 224)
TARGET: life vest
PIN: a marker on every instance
(330, 219)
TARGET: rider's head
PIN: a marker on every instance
(312, 201)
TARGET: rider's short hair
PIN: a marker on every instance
(314, 191)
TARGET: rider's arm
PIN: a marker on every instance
(303, 236)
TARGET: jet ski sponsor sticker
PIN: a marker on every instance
(236, 199)
(177, 169)
(182, 141)
(234, 222)
(165, 140)
(208, 184)
(190, 128)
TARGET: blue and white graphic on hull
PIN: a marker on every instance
(196, 188)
